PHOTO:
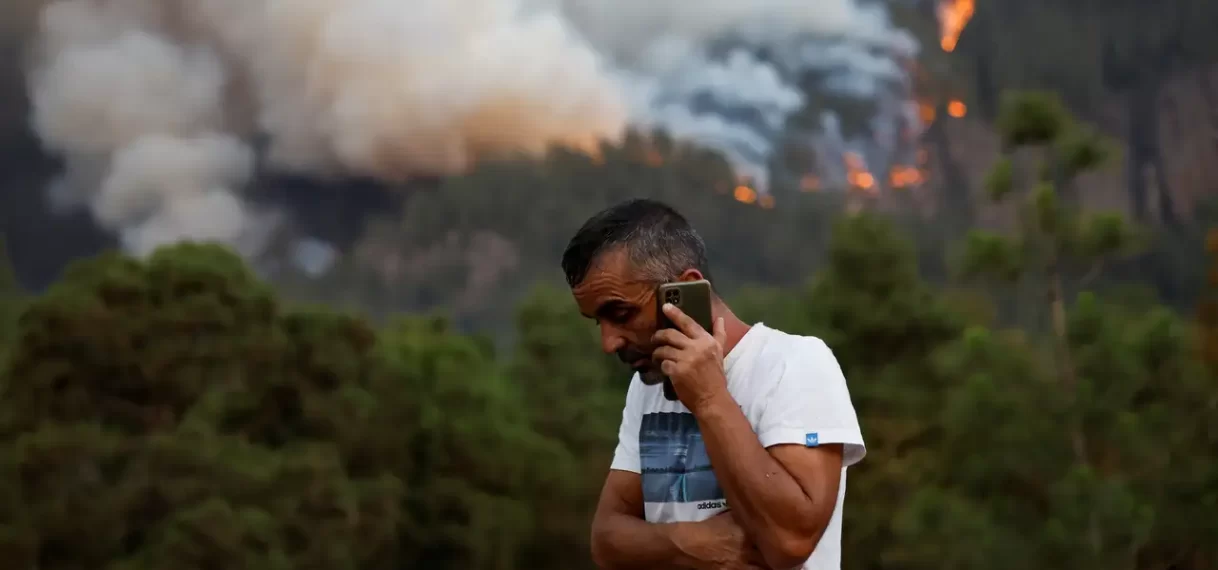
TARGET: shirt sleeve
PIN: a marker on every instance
(810, 405)
(626, 456)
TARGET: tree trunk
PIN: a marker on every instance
(1167, 204)
(1166, 195)
(1145, 151)
(1065, 360)
(1136, 156)
(986, 89)
(1069, 381)
(957, 203)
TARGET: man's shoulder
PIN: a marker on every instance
(796, 362)
(792, 348)
(780, 362)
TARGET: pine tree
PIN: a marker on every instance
(1053, 235)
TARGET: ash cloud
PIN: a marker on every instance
(155, 104)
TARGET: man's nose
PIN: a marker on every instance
(611, 339)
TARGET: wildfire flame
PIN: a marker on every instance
(745, 194)
(926, 112)
(953, 17)
(856, 172)
(901, 176)
(957, 109)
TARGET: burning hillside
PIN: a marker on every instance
(166, 112)
(953, 17)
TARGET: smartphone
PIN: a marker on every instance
(694, 299)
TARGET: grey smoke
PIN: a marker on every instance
(313, 256)
(154, 103)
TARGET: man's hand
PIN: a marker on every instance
(622, 540)
(718, 543)
(692, 358)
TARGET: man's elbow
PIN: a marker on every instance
(790, 551)
(791, 547)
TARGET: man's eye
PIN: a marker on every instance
(621, 315)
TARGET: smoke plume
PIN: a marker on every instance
(165, 109)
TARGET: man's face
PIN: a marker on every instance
(624, 308)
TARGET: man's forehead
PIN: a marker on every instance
(610, 277)
(611, 268)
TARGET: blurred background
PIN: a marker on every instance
(279, 281)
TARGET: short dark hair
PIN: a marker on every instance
(659, 242)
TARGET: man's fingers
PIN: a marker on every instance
(720, 332)
(690, 327)
(671, 337)
(665, 354)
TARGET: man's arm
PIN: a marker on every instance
(622, 539)
(783, 480)
(784, 498)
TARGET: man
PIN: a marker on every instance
(770, 411)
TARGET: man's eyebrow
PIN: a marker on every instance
(608, 307)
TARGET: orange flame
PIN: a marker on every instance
(901, 176)
(957, 108)
(926, 112)
(856, 172)
(745, 194)
(953, 17)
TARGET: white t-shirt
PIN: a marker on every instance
(792, 391)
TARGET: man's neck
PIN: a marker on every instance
(732, 325)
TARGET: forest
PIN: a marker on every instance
(179, 411)
(1029, 333)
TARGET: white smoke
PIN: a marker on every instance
(154, 102)
(147, 110)
(666, 100)
(732, 100)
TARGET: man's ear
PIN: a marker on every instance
(690, 275)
